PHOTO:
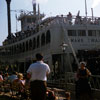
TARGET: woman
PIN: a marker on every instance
(83, 89)
(18, 85)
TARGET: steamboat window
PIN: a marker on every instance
(26, 45)
(91, 32)
(23, 48)
(33, 19)
(71, 32)
(98, 32)
(81, 33)
(23, 21)
(28, 20)
(94, 32)
(10, 51)
(43, 39)
(14, 49)
(17, 48)
(30, 44)
(20, 48)
(48, 37)
(38, 41)
(34, 43)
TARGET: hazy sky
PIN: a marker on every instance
(49, 7)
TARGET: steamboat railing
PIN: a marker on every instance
(94, 80)
(70, 78)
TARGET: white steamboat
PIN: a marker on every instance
(60, 39)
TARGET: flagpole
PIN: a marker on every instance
(92, 13)
(16, 23)
(38, 12)
(86, 8)
(34, 6)
(39, 16)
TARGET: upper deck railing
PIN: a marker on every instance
(40, 25)
(80, 20)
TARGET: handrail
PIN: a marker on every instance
(94, 80)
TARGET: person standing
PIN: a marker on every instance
(38, 72)
(83, 89)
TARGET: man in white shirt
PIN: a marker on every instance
(38, 73)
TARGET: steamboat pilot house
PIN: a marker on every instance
(59, 38)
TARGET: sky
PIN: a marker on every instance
(48, 7)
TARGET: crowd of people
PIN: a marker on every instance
(36, 81)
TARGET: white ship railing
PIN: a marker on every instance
(79, 20)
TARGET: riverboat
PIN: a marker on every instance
(64, 40)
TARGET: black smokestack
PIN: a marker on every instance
(34, 6)
(9, 18)
(34, 9)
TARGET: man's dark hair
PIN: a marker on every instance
(39, 56)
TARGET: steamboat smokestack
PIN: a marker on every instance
(34, 6)
(9, 18)
(34, 9)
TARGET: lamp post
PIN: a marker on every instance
(9, 18)
(63, 46)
